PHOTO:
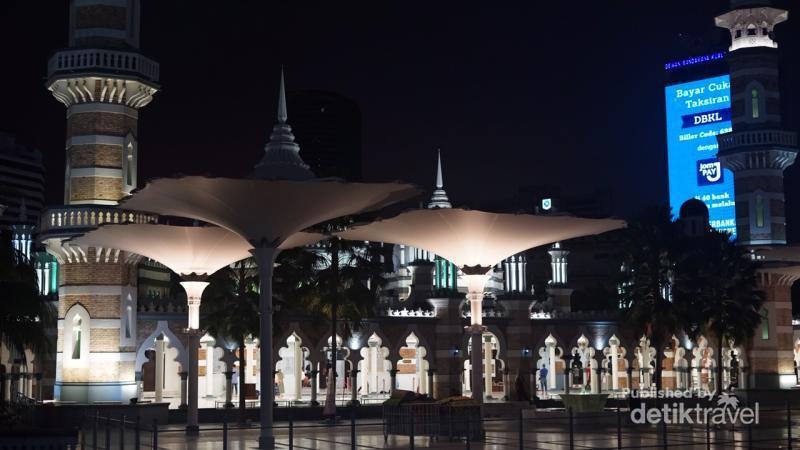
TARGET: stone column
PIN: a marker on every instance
(228, 388)
(313, 377)
(506, 387)
(476, 382)
(191, 412)
(393, 374)
(183, 375)
(159, 368)
(487, 366)
(567, 381)
(265, 257)
(431, 372)
(596, 377)
(210, 369)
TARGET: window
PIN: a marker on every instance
(764, 324)
(751, 31)
(76, 337)
(754, 103)
(738, 34)
(760, 211)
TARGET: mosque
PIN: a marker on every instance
(120, 332)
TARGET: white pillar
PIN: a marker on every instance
(487, 365)
(551, 370)
(160, 368)
(298, 370)
(265, 257)
(615, 366)
(209, 368)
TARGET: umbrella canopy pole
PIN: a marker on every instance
(194, 292)
(265, 257)
(475, 285)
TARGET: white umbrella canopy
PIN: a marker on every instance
(185, 250)
(471, 238)
(264, 212)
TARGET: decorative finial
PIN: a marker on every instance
(439, 182)
(282, 116)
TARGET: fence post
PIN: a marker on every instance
(291, 430)
(619, 428)
(411, 437)
(225, 430)
(94, 429)
(108, 431)
(122, 433)
(155, 434)
(789, 424)
(137, 437)
(571, 431)
(469, 431)
(352, 428)
(521, 435)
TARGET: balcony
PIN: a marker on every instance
(65, 218)
(104, 61)
(761, 138)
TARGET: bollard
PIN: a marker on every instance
(291, 430)
(94, 429)
(137, 440)
(521, 435)
(411, 434)
(108, 432)
(352, 428)
(571, 431)
(619, 429)
(155, 434)
(122, 433)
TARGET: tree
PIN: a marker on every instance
(645, 291)
(230, 310)
(25, 316)
(716, 287)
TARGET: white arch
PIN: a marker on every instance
(150, 342)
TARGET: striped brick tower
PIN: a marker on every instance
(103, 80)
(757, 151)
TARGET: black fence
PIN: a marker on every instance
(529, 430)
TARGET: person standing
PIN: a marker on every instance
(235, 380)
(543, 379)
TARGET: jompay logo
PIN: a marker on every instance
(727, 411)
(709, 171)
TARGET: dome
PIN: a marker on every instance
(693, 208)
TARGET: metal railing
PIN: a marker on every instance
(561, 429)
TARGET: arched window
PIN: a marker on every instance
(764, 324)
(76, 337)
(760, 211)
(754, 104)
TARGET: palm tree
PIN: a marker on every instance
(716, 285)
(645, 291)
(25, 315)
(230, 309)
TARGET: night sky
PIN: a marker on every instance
(569, 93)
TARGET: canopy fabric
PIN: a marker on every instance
(477, 238)
(265, 212)
(185, 250)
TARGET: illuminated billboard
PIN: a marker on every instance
(697, 112)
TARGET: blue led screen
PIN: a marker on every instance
(697, 112)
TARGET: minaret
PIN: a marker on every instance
(103, 80)
(757, 150)
(281, 160)
(439, 198)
